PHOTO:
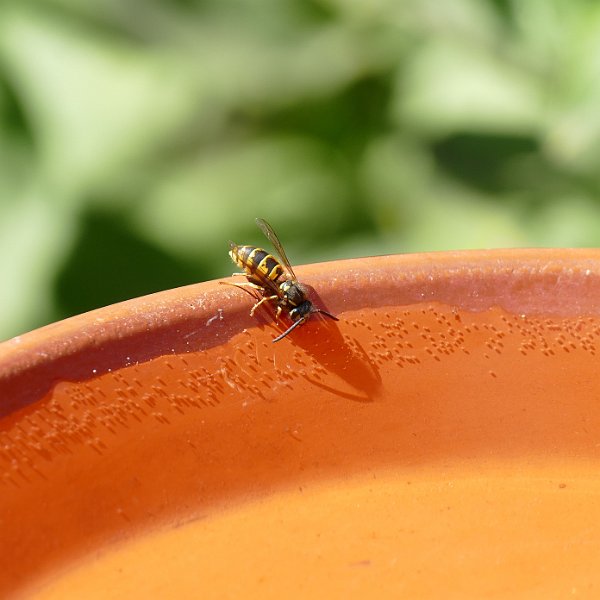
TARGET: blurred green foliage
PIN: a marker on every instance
(138, 137)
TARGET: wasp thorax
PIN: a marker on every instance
(292, 292)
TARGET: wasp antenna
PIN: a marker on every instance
(289, 330)
(327, 314)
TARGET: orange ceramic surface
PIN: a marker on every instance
(441, 439)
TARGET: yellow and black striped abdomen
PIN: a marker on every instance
(257, 263)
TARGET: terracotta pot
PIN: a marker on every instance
(441, 439)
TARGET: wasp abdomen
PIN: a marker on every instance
(257, 263)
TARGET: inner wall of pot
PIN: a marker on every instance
(188, 436)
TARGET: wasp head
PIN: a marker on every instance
(299, 314)
(302, 311)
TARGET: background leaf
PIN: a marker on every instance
(137, 138)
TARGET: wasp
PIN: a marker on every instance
(274, 279)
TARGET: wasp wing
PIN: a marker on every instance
(272, 237)
(270, 286)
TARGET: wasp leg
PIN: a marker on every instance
(265, 299)
(278, 313)
(248, 284)
(243, 285)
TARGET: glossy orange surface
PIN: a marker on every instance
(441, 439)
